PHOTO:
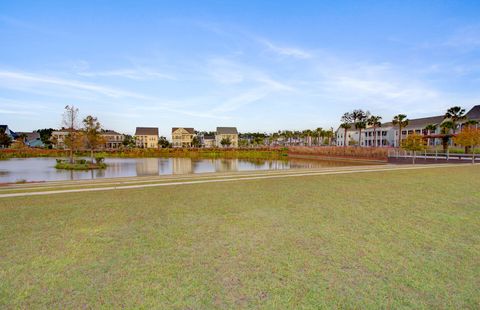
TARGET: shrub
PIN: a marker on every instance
(99, 159)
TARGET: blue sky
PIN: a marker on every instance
(257, 65)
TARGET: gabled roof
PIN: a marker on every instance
(110, 132)
(146, 131)
(474, 113)
(189, 130)
(209, 137)
(422, 122)
(227, 131)
(30, 135)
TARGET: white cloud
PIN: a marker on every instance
(286, 50)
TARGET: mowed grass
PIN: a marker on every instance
(398, 239)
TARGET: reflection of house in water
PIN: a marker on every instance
(182, 165)
(147, 166)
(225, 165)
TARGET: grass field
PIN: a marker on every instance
(396, 239)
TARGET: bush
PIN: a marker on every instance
(81, 161)
(99, 159)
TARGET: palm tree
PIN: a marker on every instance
(319, 133)
(401, 121)
(455, 114)
(346, 125)
(446, 126)
(429, 128)
(360, 119)
(375, 122)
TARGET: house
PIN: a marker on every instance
(351, 136)
(229, 134)
(113, 139)
(182, 136)
(9, 132)
(58, 138)
(208, 141)
(31, 139)
(146, 137)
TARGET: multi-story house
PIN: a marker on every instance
(351, 136)
(8, 132)
(58, 138)
(113, 139)
(146, 137)
(182, 136)
(226, 134)
(208, 141)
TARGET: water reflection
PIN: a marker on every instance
(42, 169)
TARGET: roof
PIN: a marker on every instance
(208, 137)
(146, 131)
(30, 135)
(189, 130)
(227, 131)
(474, 113)
(422, 122)
(111, 132)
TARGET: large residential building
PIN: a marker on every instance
(387, 134)
(146, 137)
(182, 136)
(226, 134)
(208, 141)
(58, 138)
(113, 139)
(31, 139)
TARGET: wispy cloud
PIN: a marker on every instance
(134, 74)
(286, 50)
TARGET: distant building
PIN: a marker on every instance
(113, 139)
(31, 139)
(227, 133)
(208, 141)
(9, 132)
(146, 137)
(182, 136)
(58, 138)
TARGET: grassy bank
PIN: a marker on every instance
(264, 153)
(78, 166)
(336, 241)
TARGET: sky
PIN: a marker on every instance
(257, 65)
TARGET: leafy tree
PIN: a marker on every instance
(74, 139)
(46, 136)
(128, 141)
(93, 137)
(375, 122)
(401, 121)
(196, 142)
(470, 138)
(225, 142)
(163, 142)
(5, 139)
(455, 114)
(414, 143)
(360, 121)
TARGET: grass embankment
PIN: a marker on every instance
(336, 241)
(263, 153)
(368, 153)
(75, 166)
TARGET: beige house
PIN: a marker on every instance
(146, 137)
(208, 141)
(226, 134)
(58, 138)
(113, 139)
(182, 137)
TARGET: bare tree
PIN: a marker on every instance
(70, 121)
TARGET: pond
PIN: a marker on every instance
(42, 169)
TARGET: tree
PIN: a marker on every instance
(319, 133)
(196, 142)
(163, 142)
(5, 139)
(401, 121)
(360, 120)
(46, 136)
(74, 138)
(414, 143)
(346, 120)
(129, 141)
(375, 122)
(445, 131)
(92, 130)
(469, 137)
(455, 114)
(225, 142)
(429, 128)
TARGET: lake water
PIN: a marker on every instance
(42, 169)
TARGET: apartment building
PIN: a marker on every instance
(146, 137)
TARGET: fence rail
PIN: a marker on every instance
(432, 156)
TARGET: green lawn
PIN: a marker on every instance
(393, 239)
